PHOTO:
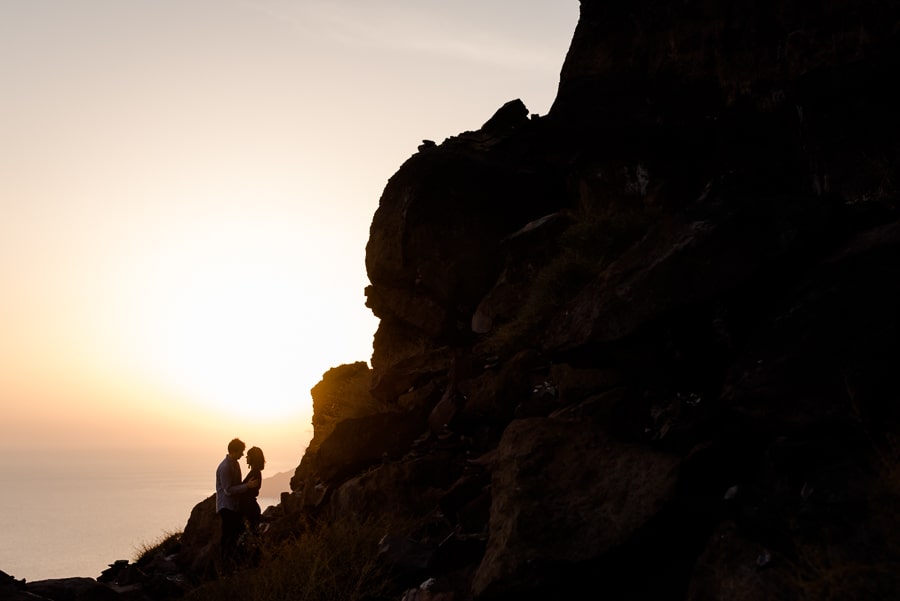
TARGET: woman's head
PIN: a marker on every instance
(255, 458)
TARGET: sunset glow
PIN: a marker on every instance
(227, 320)
(187, 189)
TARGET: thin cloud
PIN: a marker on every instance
(408, 29)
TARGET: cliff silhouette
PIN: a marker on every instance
(645, 346)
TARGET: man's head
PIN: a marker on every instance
(236, 448)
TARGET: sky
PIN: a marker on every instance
(186, 189)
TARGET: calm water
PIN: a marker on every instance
(76, 514)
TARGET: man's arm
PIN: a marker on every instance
(226, 486)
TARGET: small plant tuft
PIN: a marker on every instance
(166, 544)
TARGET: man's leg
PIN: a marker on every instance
(232, 525)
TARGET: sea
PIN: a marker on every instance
(67, 514)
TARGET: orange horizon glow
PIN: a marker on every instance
(186, 191)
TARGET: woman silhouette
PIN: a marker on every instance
(256, 461)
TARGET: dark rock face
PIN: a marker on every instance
(342, 394)
(645, 345)
(434, 246)
(563, 492)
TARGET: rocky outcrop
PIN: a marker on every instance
(563, 492)
(433, 251)
(67, 589)
(644, 345)
(659, 323)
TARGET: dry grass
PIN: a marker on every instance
(338, 562)
(164, 545)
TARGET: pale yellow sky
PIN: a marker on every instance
(186, 188)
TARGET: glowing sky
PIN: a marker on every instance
(186, 188)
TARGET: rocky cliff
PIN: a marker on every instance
(645, 345)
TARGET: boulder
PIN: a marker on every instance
(72, 589)
(16, 590)
(565, 493)
(200, 547)
(358, 443)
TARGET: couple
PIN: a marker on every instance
(235, 498)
